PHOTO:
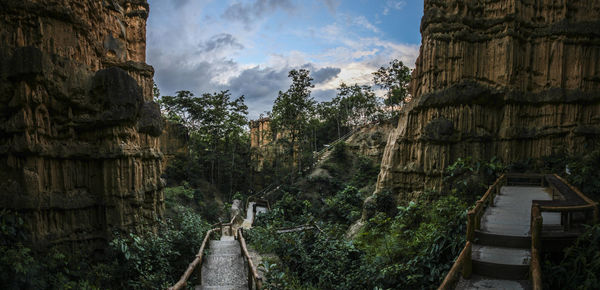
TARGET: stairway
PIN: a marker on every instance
(224, 268)
(501, 253)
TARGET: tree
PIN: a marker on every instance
(292, 112)
(358, 104)
(218, 137)
(395, 79)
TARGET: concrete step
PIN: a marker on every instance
(231, 287)
(491, 239)
(500, 228)
(477, 282)
(224, 270)
(227, 238)
(501, 262)
(224, 247)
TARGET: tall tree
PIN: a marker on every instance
(292, 112)
(395, 80)
(358, 104)
(217, 130)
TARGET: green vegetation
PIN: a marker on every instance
(410, 246)
(395, 80)
(219, 143)
(149, 261)
(580, 266)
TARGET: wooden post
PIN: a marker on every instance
(468, 262)
(536, 245)
(470, 225)
(478, 213)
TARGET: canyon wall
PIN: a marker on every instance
(174, 141)
(515, 79)
(79, 149)
(370, 140)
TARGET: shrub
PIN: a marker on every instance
(580, 267)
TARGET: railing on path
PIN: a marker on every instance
(232, 228)
(254, 280)
(463, 264)
(576, 202)
(197, 261)
(317, 158)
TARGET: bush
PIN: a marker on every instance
(150, 261)
(344, 207)
(415, 248)
(580, 267)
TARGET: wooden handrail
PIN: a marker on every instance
(462, 264)
(576, 190)
(549, 208)
(257, 280)
(473, 221)
(474, 215)
(537, 222)
(198, 260)
(536, 244)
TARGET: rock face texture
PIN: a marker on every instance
(515, 79)
(79, 149)
(370, 140)
(174, 141)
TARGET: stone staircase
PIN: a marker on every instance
(501, 253)
(224, 268)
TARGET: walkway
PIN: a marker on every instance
(252, 210)
(224, 267)
(502, 249)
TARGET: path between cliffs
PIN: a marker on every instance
(224, 267)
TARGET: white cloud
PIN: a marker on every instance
(203, 54)
(396, 5)
(362, 21)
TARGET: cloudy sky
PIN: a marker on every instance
(249, 46)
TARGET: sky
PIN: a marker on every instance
(249, 46)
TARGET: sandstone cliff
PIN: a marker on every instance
(515, 79)
(370, 140)
(79, 149)
(174, 141)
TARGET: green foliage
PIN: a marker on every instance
(291, 117)
(580, 267)
(219, 140)
(344, 207)
(150, 261)
(395, 79)
(340, 151)
(415, 248)
(156, 260)
(316, 259)
(365, 172)
(470, 177)
(582, 170)
(585, 173)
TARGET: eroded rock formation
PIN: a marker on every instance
(174, 141)
(515, 79)
(370, 140)
(79, 149)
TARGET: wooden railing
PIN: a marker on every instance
(461, 266)
(586, 205)
(254, 280)
(463, 262)
(475, 214)
(197, 261)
